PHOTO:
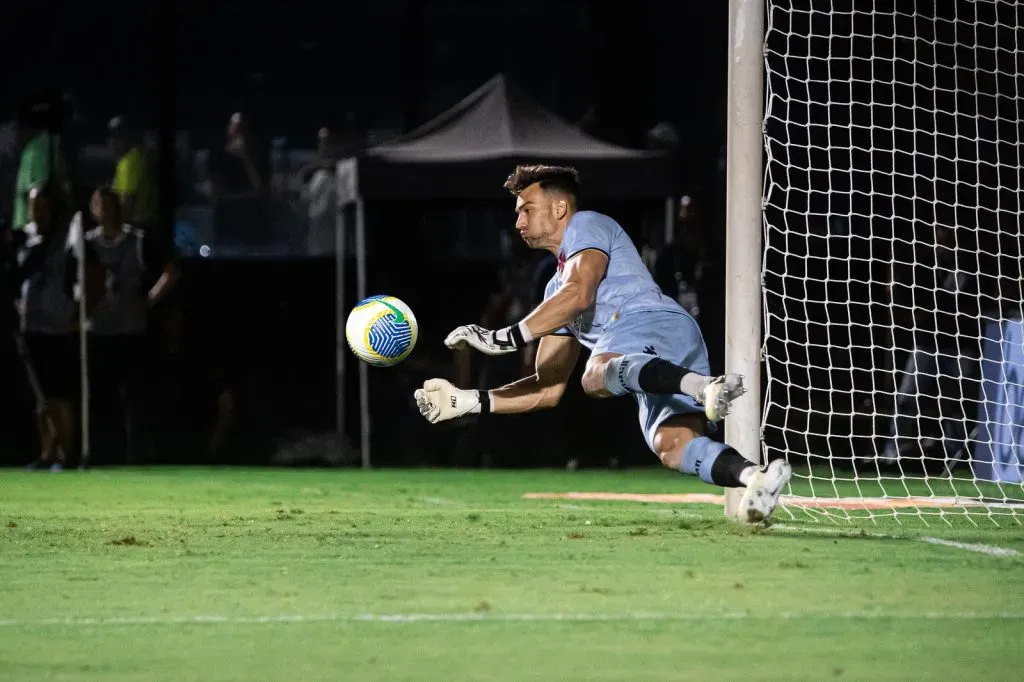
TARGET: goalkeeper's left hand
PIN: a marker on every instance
(497, 342)
(440, 401)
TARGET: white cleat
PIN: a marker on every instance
(719, 394)
(762, 492)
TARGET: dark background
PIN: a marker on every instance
(884, 126)
(391, 64)
(376, 69)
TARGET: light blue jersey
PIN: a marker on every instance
(631, 315)
(627, 287)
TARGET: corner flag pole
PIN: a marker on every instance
(78, 234)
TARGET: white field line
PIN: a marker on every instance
(503, 618)
(436, 500)
(990, 550)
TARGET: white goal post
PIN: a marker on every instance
(874, 248)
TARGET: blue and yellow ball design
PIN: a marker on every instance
(381, 330)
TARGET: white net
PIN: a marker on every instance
(892, 267)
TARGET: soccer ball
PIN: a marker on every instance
(381, 331)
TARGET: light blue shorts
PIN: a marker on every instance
(672, 336)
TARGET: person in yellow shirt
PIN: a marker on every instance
(134, 177)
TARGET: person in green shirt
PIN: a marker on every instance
(41, 162)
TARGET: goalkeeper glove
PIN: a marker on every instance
(440, 401)
(497, 342)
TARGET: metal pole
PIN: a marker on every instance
(364, 378)
(340, 316)
(743, 226)
(670, 220)
(78, 235)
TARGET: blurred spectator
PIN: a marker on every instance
(238, 183)
(41, 160)
(50, 322)
(687, 272)
(135, 179)
(934, 291)
(9, 155)
(680, 269)
(243, 169)
(118, 321)
(320, 194)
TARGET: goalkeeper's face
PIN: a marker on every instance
(540, 217)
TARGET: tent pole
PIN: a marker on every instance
(364, 378)
(340, 314)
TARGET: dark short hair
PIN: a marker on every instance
(562, 179)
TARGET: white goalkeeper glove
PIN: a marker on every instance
(488, 342)
(440, 401)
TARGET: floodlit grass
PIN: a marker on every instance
(173, 574)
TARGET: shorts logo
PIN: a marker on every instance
(623, 368)
(649, 350)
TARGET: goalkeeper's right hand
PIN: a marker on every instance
(440, 401)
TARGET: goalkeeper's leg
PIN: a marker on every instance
(679, 442)
(661, 359)
(659, 354)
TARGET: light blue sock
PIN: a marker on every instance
(700, 455)
(622, 374)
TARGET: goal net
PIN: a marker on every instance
(891, 273)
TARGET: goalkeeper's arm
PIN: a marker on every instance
(583, 275)
(556, 357)
(439, 400)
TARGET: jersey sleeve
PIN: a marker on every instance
(549, 291)
(588, 231)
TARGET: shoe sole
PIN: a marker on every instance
(763, 502)
(723, 401)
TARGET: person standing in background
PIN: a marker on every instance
(134, 176)
(239, 179)
(49, 322)
(319, 193)
(117, 348)
(41, 160)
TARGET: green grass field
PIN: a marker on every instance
(189, 574)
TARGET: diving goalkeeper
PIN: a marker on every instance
(641, 341)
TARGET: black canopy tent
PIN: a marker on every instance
(466, 153)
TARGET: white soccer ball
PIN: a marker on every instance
(381, 331)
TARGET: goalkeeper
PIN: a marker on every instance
(642, 343)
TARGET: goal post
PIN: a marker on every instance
(744, 147)
(874, 251)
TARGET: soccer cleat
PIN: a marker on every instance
(762, 492)
(719, 394)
